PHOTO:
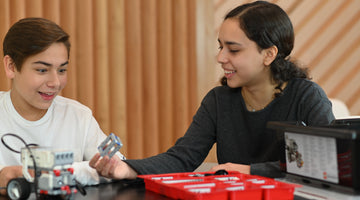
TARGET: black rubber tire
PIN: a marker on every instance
(23, 187)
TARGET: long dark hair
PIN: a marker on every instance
(30, 36)
(267, 25)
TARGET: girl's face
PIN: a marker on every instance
(41, 78)
(240, 58)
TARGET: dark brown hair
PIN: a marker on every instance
(268, 25)
(30, 36)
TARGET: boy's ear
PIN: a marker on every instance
(270, 55)
(9, 66)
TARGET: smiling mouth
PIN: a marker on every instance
(228, 72)
(47, 93)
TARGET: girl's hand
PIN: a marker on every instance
(245, 169)
(113, 168)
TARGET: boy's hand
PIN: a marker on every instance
(8, 173)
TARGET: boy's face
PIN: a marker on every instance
(41, 78)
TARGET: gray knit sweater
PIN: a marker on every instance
(241, 136)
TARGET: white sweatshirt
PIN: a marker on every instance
(67, 125)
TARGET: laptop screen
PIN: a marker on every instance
(326, 154)
(319, 157)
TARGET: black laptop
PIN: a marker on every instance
(350, 123)
(325, 157)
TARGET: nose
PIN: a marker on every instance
(221, 57)
(53, 80)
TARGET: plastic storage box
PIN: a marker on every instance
(208, 186)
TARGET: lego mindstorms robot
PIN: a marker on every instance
(54, 175)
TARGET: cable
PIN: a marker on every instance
(31, 156)
(18, 137)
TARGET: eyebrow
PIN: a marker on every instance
(230, 43)
(48, 64)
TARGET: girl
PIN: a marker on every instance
(260, 84)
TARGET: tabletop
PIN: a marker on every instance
(122, 189)
(135, 190)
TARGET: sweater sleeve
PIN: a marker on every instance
(190, 150)
(315, 107)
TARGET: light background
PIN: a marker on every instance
(143, 66)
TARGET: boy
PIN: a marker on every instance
(36, 57)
